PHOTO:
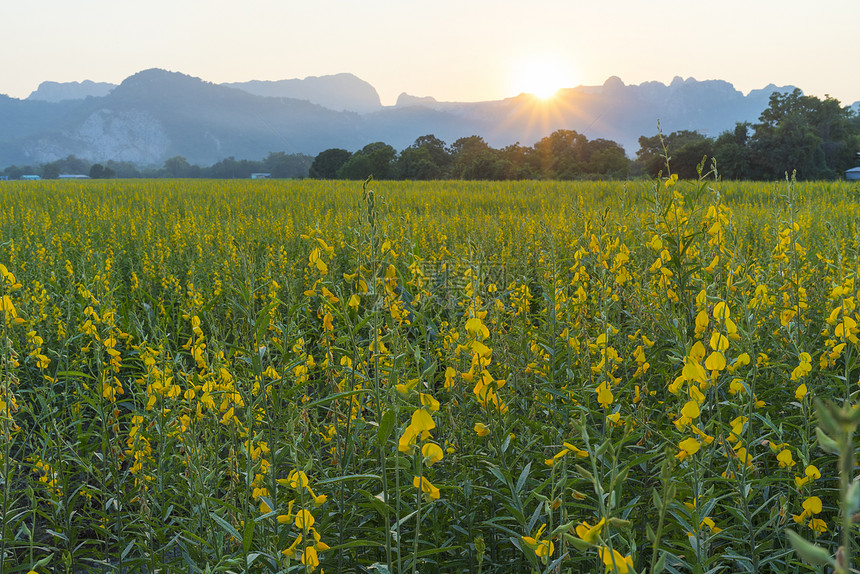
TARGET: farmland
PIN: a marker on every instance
(272, 376)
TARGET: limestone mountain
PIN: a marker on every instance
(155, 114)
(60, 91)
(339, 92)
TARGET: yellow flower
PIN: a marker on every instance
(477, 329)
(317, 499)
(406, 388)
(228, 416)
(576, 450)
(604, 394)
(670, 181)
(689, 447)
(818, 525)
(691, 410)
(407, 439)
(432, 453)
(430, 491)
(719, 342)
(716, 361)
(297, 479)
(812, 505)
(422, 421)
(615, 561)
(450, 373)
(288, 517)
(590, 533)
(800, 392)
(310, 558)
(304, 519)
(543, 549)
(785, 459)
(709, 522)
(693, 370)
(354, 301)
(481, 429)
(429, 403)
(290, 551)
(7, 307)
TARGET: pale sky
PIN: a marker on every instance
(454, 50)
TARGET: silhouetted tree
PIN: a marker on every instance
(373, 159)
(327, 163)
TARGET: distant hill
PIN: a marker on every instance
(60, 91)
(340, 92)
(155, 114)
(612, 111)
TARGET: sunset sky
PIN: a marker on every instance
(457, 50)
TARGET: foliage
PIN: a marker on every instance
(812, 138)
(291, 376)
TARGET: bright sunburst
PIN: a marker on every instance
(542, 76)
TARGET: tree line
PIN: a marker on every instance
(817, 139)
(565, 154)
(277, 164)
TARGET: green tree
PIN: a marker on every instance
(282, 165)
(467, 151)
(123, 169)
(731, 149)
(98, 171)
(178, 166)
(817, 138)
(427, 158)
(563, 155)
(374, 159)
(522, 162)
(607, 158)
(327, 163)
(70, 164)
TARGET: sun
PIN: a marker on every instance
(541, 76)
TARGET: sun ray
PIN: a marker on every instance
(541, 76)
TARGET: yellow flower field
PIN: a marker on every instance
(308, 376)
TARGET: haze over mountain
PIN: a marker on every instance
(154, 115)
(60, 91)
(339, 92)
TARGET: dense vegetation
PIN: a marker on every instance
(210, 376)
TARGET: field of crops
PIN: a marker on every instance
(439, 377)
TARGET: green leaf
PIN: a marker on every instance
(577, 542)
(42, 563)
(826, 416)
(585, 474)
(349, 477)
(826, 443)
(563, 528)
(521, 481)
(660, 565)
(228, 528)
(248, 537)
(812, 554)
(386, 424)
(852, 498)
(264, 317)
(334, 397)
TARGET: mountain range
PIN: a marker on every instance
(156, 114)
